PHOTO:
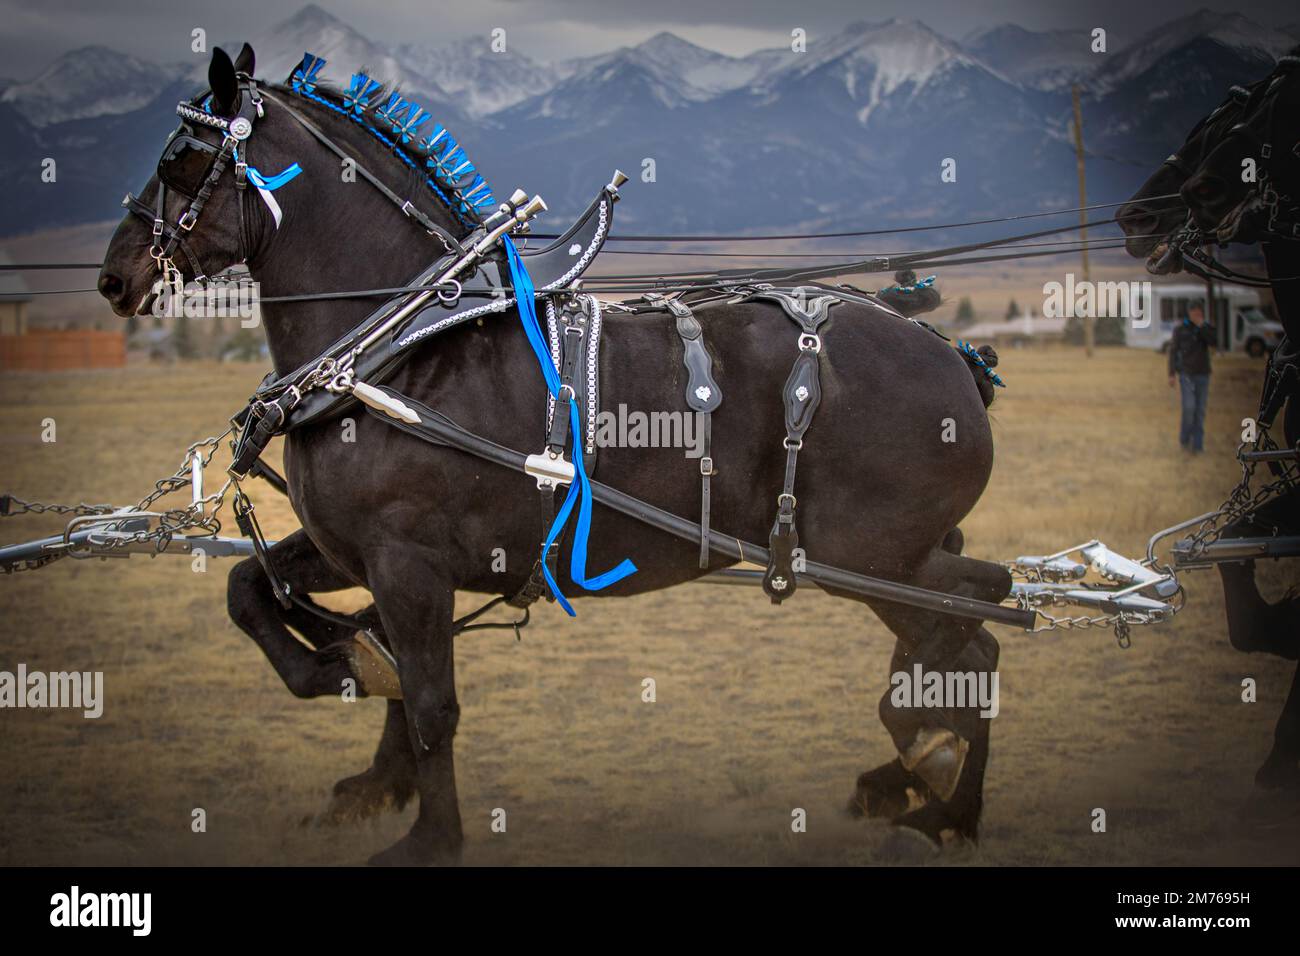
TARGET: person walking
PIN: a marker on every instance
(1189, 366)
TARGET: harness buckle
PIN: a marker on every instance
(706, 466)
(810, 342)
(187, 220)
(157, 228)
(549, 469)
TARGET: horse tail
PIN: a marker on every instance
(981, 362)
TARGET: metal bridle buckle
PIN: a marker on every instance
(792, 445)
(706, 466)
(781, 498)
(187, 220)
(810, 342)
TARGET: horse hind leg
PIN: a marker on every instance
(942, 750)
(1281, 769)
(416, 603)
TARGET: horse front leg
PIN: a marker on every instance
(416, 605)
(389, 782)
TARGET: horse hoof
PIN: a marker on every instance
(408, 851)
(371, 664)
(363, 796)
(874, 802)
(907, 846)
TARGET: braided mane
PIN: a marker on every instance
(404, 127)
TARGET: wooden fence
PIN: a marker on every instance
(43, 350)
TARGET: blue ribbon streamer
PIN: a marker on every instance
(276, 181)
(579, 489)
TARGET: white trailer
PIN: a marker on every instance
(1241, 323)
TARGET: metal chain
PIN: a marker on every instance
(202, 515)
(1241, 502)
(14, 506)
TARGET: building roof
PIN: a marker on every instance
(12, 286)
(1021, 325)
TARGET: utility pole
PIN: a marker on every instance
(1088, 331)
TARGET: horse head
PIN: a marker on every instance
(1155, 211)
(161, 231)
(317, 189)
(1251, 166)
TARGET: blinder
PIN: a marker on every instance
(186, 161)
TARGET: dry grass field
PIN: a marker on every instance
(764, 710)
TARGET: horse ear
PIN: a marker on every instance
(222, 82)
(244, 62)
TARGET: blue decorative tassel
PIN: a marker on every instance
(304, 77)
(358, 94)
(394, 111)
(906, 289)
(965, 348)
(415, 118)
(398, 123)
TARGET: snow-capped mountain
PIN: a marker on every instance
(871, 63)
(703, 70)
(345, 50)
(852, 130)
(1237, 35)
(92, 81)
(482, 80)
(1047, 60)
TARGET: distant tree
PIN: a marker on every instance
(1074, 330)
(1109, 330)
(965, 311)
(1013, 310)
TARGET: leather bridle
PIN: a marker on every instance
(1282, 209)
(169, 238)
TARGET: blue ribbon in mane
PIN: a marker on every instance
(580, 488)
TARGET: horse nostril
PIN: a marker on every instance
(110, 286)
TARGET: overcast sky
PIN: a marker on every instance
(33, 32)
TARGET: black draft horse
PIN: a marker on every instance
(881, 491)
(1225, 205)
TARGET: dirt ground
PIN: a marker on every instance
(764, 710)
